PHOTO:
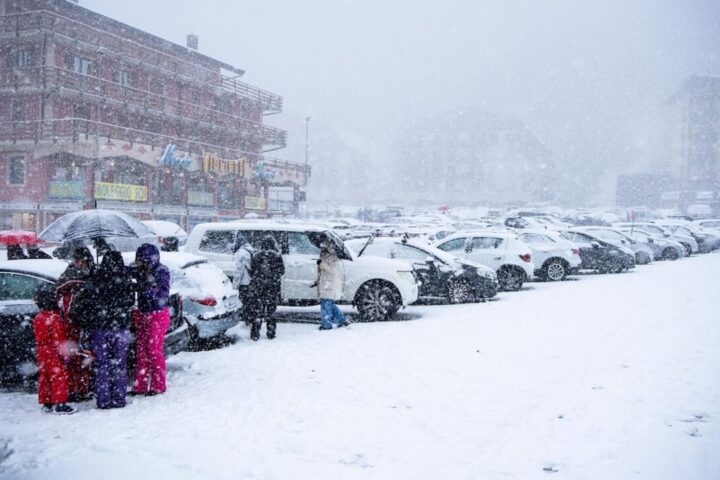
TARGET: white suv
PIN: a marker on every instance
(377, 287)
(504, 252)
(554, 257)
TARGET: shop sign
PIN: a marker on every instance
(261, 173)
(169, 158)
(211, 163)
(70, 190)
(200, 198)
(254, 203)
(120, 191)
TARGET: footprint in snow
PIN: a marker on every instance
(550, 469)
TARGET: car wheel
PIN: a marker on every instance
(642, 258)
(555, 270)
(459, 291)
(510, 279)
(377, 300)
(670, 254)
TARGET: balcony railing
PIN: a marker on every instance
(35, 21)
(73, 130)
(56, 79)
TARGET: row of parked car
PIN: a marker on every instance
(383, 272)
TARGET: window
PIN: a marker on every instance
(451, 245)
(19, 109)
(218, 241)
(14, 286)
(406, 252)
(486, 243)
(255, 238)
(578, 238)
(16, 171)
(535, 238)
(22, 58)
(83, 66)
(299, 243)
(124, 78)
(375, 249)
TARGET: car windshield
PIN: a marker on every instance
(609, 235)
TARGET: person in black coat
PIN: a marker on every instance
(265, 287)
(103, 308)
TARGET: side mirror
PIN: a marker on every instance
(666, 235)
(622, 240)
(651, 240)
(429, 260)
(595, 244)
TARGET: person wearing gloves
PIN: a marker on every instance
(151, 320)
(330, 286)
(242, 261)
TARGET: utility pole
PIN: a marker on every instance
(307, 137)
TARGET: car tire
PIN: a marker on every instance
(510, 278)
(642, 258)
(377, 300)
(670, 254)
(554, 270)
(459, 291)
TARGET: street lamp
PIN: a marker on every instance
(307, 133)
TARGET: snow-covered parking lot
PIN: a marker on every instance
(603, 377)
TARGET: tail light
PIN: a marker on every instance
(207, 301)
(525, 257)
(575, 251)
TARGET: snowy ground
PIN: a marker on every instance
(606, 377)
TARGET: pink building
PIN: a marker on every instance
(96, 112)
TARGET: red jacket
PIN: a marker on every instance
(52, 353)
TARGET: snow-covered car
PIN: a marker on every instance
(643, 253)
(210, 304)
(554, 257)
(706, 240)
(377, 287)
(598, 254)
(167, 230)
(504, 252)
(442, 276)
(663, 248)
(19, 280)
(687, 241)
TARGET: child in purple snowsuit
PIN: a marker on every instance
(151, 320)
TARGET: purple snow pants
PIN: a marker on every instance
(110, 348)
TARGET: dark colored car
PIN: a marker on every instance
(599, 255)
(19, 280)
(442, 277)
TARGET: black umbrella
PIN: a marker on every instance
(94, 223)
(316, 238)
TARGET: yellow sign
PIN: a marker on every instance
(120, 191)
(211, 163)
(255, 203)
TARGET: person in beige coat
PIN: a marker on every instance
(330, 286)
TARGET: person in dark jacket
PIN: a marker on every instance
(15, 252)
(103, 308)
(69, 285)
(33, 251)
(265, 286)
(151, 320)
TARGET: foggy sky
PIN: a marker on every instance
(586, 76)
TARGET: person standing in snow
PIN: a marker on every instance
(242, 261)
(265, 287)
(330, 285)
(69, 285)
(151, 320)
(34, 252)
(53, 352)
(104, 310)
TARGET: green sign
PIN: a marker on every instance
(200, 198)
(120, 191)
(65, 190)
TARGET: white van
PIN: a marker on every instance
(377, 287)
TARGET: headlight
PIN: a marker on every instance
(408, 277)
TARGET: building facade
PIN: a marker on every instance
(94, 112)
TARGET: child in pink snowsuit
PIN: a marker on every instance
(151, 320)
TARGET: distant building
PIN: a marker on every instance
(96, 112)
(696, 144)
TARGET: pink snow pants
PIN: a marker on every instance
(150, 331)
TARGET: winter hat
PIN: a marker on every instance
(240, 241)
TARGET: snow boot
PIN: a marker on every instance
(255, 331)
(63, 409)
(47, 408)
